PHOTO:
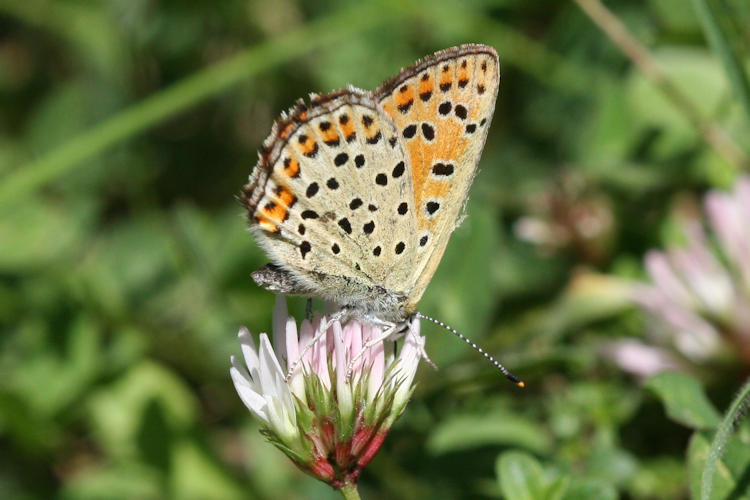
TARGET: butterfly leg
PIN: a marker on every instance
(337, 316)
(388, 332)
(392, 331)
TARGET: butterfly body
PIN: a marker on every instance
(355, 195)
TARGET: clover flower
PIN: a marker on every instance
(700, 294)
(331, 413)
(568, 215)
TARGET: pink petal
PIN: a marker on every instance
(296, 381)
(343, 389)
(664, 277)
(641, 359)
(280, 315)
(376, 357)
(353, 337)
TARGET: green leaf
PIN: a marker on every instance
(196, 475)
(588, 488)
(684, 400)
(521, 476)
(661, 477)
(674, 16)
(716, 20)
(26, 233)
(116, 482)
(146, 399)
(697, 75)
(461, 432)
(50, 382)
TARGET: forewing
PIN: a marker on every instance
(442, 107)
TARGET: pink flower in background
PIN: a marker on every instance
(700, 294)
(334, 410)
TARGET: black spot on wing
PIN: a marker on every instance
(345, 225)
(304, 248)
(340, 159)
(398, 170)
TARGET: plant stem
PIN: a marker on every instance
(349, 492)
(712, 134)
(733, 415)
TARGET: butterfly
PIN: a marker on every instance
(355, 195)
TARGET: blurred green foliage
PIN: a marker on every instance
(126, 129)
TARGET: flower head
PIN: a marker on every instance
(327, 394)
(700, 294)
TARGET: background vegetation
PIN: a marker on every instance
(126, 129)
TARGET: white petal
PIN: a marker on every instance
(252, 400)
(319, 364)
(282, 421)
(272, 377)
(270, 370)
(250, 353)
(411, 352)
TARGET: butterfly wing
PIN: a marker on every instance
(330, 201)
(442, 107)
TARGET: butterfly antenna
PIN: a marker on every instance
(508, 374)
